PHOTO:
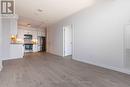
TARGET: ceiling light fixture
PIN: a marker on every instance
(39, 10)
(28, 25)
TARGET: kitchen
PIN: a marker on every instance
(34, 39)
(19, 39)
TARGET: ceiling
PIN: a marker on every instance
(37, 12)
(28, 22)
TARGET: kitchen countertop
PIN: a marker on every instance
(17, 43)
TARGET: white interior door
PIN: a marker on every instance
(67, 40)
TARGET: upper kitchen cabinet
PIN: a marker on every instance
(28, 32)
(20, 34)
(32, 31)
(34, 34)
(40, 33)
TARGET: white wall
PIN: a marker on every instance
(127, 36)
(9, 27)
(0, 37)
(6, 38)
(0, 44)
(55, 40)
(98, 34)
(127, 45)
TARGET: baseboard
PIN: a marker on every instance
(54, 53)
(10, 58)
(122, 70)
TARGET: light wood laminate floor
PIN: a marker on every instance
(47, 70)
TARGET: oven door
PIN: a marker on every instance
(28, 46)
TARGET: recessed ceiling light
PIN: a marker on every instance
(39, 10)
(28, 25)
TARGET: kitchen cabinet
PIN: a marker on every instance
(40, 33)
(27, 32)
(35, 48)
(34, 33)
(20, 34)
(16, 51)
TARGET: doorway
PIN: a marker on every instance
(67, 40)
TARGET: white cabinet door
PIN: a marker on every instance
(16, 51)
(35, 49)
(43, 34)
(26, 32)
(34, 34)
(38, 48)
(20, 33)
(40, 33)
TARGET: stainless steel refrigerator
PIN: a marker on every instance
(41, 43)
